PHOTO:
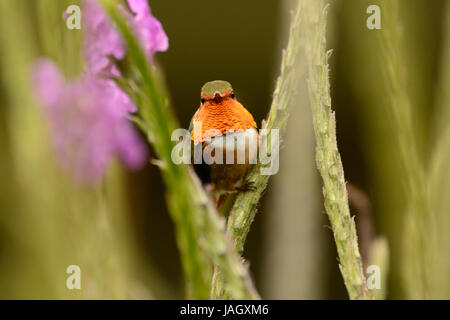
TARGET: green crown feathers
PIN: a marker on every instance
(210, 88)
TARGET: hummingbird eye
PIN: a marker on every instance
(232, 95)
(202, 100)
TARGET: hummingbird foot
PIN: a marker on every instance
(247, 186)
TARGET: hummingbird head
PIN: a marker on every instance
(220, 112)
(216, 91)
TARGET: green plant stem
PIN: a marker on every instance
(245, 206)
(439, 177)
(417, 225)
(244, 209)
(328, 159)
(200, 231)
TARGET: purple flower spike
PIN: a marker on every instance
(103, 40)
(100, 39)
(149, 29)
(88, 116)
(89, 122)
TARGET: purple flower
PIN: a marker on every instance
(148, 28)
(101, 39)
(88, 116)
(89, 122)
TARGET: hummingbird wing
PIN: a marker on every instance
(191, 124)
(202, 170)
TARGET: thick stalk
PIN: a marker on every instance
(327, 155)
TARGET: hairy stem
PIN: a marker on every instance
(327, 155)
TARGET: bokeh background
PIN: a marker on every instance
(119, 232)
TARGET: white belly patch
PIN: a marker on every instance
(232, 148)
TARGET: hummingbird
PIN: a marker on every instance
(223, 120)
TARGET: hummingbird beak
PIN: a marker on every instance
(217, 95)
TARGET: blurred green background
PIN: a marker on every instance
(120, 232)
